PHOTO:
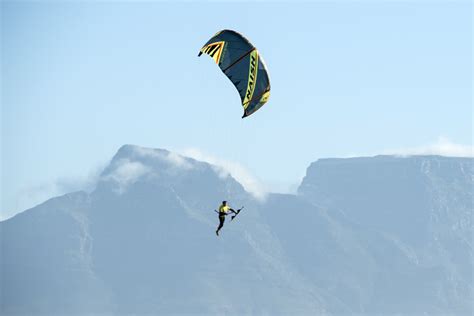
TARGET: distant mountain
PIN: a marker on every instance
(413, 218)
(380, 235)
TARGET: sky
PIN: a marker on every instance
(81, 79)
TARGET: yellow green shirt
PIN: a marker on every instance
(224, 208)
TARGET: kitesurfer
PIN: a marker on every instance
(224, 210)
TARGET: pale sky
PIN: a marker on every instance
(80, 79)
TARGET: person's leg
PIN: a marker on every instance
(221, 223)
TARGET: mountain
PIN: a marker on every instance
(379, 235)
(413, 216)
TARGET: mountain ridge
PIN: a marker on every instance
(367, 237)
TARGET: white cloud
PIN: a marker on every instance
(178, 160)
(169, 157)
(225, 167)
(442, 147)
(30, 196)
(126, 172)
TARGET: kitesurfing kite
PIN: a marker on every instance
(240, 61)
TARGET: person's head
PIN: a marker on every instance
(224, 202)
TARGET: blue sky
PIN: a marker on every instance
(348, 78)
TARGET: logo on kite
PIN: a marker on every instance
(214, 50)
(240, 61)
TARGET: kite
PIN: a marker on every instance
(241, 62)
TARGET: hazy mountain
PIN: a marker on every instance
(381, 235)
(413, 218)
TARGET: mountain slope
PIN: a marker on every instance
(422, 207)
(367, 235)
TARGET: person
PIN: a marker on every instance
(224, 210)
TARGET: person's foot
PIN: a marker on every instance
(217, 232)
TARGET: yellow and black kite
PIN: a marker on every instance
(240, 61)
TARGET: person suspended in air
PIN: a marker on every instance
(224, 210)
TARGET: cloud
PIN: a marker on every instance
(86, 183)
(126, 172)
(30, 196)
(225, 167)
(442, 147)
(169, 157)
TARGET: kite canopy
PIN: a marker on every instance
(240, 61)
